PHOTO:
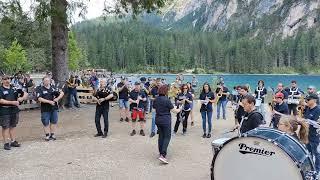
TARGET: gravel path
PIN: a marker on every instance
(78, 155)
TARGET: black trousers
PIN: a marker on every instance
(293, 108)
(183, 119)
(164, 138)
(102, 111)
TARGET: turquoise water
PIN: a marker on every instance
(232, 80)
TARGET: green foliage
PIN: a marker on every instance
(15, 58)
(74, 53)
(37, 59)
(136, 47)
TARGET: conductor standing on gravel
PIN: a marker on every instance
(10, 98)
(163, 107)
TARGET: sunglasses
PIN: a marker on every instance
(5, 78)
(185, 88)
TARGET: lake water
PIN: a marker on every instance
(237, 79)
(232, 80)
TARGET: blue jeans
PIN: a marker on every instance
(261, 109)
(73, 97)
(206, 117)
(222, 104)
(153, 122)
(312, 147)
(164, 138)
(49, 117)
(123, 104)
(150, 105)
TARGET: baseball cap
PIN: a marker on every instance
(136, 83)
(280, 95)
(143, 79)
(311, 87)
(312, 96)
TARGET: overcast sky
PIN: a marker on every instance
(95, 7)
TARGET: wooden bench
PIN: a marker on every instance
(85, 95)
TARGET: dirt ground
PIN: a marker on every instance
(76, 154)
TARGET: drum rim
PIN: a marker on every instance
(279, 145)
(280, 132)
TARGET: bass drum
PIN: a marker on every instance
(262, 153)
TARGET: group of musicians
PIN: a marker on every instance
(292, 112)
(156, 97)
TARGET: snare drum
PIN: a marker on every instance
(293, 101)
(264, 154)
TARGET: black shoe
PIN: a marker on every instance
(7, 146)
(121, 119)
(15, 144)
(127, 119)
(133, 133)
(53, 137)
(209, 135)
(98, 135)
(204, 135)
(142, 133)
(105, 135)
(152, 134)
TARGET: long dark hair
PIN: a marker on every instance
(203, 91)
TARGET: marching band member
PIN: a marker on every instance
(49, 98)
(102, 95)
(312, 112)
(137, 99)
(222, 91)
(154, 94)
(72, 89)
(294, 95)
(240, 111)
(207, 98)
(192, 92)
(290, 125)
(280, 107)
(10, 98)
(123, 89)
(252, 118)
(280, 88)
(260, 93)
(183, 99)
(312, 90)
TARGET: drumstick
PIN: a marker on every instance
(229, 131)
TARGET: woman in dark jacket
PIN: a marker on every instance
(206, 98)
(163, 107)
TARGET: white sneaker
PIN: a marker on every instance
(163, 160)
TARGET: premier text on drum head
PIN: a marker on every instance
(244, 149)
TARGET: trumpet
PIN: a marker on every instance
(153, 85)
(174, 90)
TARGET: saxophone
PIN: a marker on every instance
(301, 106)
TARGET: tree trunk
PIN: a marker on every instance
(59, 35)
